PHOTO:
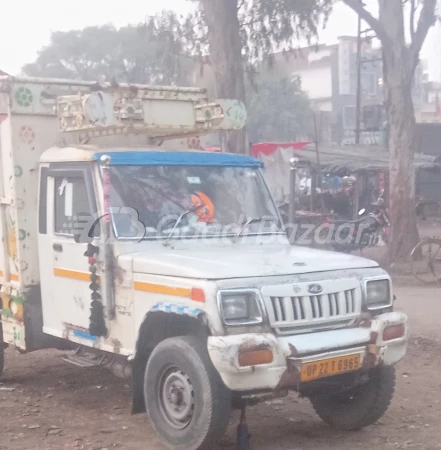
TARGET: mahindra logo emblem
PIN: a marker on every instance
(315, 289)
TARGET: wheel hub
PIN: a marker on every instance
(176, 397)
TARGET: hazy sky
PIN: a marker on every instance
(26, 25)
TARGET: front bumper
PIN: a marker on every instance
(290, 352)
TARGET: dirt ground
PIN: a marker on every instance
(46, 403)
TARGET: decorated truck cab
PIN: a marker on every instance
(171, 265)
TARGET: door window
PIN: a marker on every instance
(71, 204)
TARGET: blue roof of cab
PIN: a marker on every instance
(179, 159)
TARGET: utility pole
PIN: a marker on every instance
(316, 173)
(358, 100)
(361, 34)
(293, 165)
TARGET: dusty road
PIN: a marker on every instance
(58, 406)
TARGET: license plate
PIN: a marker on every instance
(328, 367)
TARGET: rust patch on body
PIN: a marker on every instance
(293, 351)
(374, 337)
(367, 323)
(369, 362)
(250, 345)
(289, 379)
(364, 321)
(119, 273)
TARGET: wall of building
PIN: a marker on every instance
(329, 76)
(317, 83)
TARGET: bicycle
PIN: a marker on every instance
(426, 260)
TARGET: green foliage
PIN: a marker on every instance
(267, 26)
(159, 50)
(147, 53)
(274, 25)
(278, 109)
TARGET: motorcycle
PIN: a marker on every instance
(370, 230)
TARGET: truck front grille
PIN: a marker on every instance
(289, 314)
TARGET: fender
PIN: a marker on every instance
(163, 321)
(177, 309)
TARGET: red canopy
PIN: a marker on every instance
(212, 148)
(270, 147)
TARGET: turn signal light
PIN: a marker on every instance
(394, 332)
(198, 295)
(255, 358)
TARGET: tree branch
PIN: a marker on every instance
(427, 19)
(412, 18)
(374, 23)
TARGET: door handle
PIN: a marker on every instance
(57, 247)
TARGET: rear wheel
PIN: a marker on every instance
(426, 261)
(361, 406)
(186, 400)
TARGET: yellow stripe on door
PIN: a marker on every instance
(138, 285)
(161, 289)
(73, 274)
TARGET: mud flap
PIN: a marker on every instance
(14, 333)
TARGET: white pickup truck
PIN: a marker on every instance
(162, 264)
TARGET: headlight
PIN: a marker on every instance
(378, 294)
(240, 307)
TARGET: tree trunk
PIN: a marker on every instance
(226, 58)
(400, 113)
(398, 76)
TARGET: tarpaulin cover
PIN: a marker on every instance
(267, 148)
(353, 158)
(147, 158)
(334, 159)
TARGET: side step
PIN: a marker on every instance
(82, 358)
(86, 357)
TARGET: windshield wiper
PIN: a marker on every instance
(248, 222)
(178, 221)
(184, 214)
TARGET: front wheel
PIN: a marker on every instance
(361, 406)
(186, 400)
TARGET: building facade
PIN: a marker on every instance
(328, 73)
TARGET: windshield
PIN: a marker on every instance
(216, 200)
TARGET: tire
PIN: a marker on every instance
(360, 407)
(424, 263)
(182, 368)
(2, 351)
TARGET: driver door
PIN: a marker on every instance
(65, 271)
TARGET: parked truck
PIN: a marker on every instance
(171, 266)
